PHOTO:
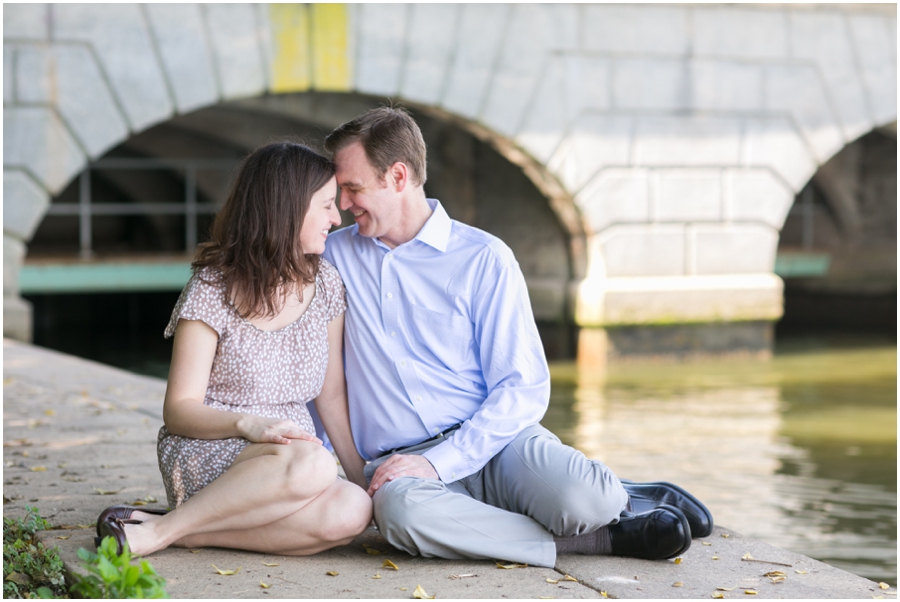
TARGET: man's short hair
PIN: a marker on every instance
(388, 135)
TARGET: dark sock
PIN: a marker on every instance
(595, 542)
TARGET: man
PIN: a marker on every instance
(447, 381)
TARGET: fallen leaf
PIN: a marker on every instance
(715, 557)
(747, 556)
(332, 573)
(777, 579)
(371, 550)
(678, 560)
(387, 564)
(38, 469)
(750, 592)
(883, 585)
(421, 594)
(678, 584)
(138, 503)
(377, 576)
(462, 576)
(706, 543)
(553, 581)
(775, 574)
(726, 535)
(514, 565)
(403, 589)
(718, 595)
(63, 536)
(105, 492)
(726, 589)
(799, 572)
(264, 585)
(226, 572)
(195, 551)
(570, 578)
(82, 527)
(271, 564)
(18, 578)
(49, 412)
(604, 594)
(62, 464)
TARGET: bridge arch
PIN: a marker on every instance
(680, 138)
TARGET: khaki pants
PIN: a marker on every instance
(535, 488)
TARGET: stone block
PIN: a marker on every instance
(798, 89)
(756, 195)
(655, 84)
(545, 124)
(739, 32)
(587, 84)
(9, 96)
(722, 85)
(381, 35)
(523, 62)
(687, 140)
(36, 140)
(24, 204)
(17, 319)
(430, 46)
(236, 43)
(877, 55)
(595, 141)
(733, 249)
(185, 53)
(68, 76)
(823, 38)
(121, 40)
(774, 143)
(687, 195)
(13, 256)
(643, 250)
(26, 21)
(689, 299)
(640, 29)
(481, 31)
(616, 196)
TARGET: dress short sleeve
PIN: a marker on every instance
(335, 295)
(202, 299)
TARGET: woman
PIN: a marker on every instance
(258, 333)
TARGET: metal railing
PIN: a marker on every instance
(190, 208)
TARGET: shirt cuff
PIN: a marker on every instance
(448, 462)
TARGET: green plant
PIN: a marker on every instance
(29, 569)
(111, 575)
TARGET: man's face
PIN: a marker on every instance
(374, 204)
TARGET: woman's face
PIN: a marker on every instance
(320, 217)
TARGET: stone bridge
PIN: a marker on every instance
(666, 143)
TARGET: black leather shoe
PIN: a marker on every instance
(661, 533)
(124, 512)
(115, 528)
(646, 496)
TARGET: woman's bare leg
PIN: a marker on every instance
(267, 482)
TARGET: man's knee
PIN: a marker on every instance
(400, 507)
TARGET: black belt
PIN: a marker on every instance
(435, 438)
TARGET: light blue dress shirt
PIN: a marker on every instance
(439, 331)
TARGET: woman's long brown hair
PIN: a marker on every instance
(256, 235)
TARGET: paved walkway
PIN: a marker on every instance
(79, 436)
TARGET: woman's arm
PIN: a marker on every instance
(332, 406)
(184, 412)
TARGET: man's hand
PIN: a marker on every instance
(398, 466)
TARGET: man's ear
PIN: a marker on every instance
(398, 176)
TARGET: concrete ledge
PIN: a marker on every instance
(93, 427)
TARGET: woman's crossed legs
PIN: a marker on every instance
(275, 498)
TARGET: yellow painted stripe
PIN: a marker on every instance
(291, 70)
(331, 61)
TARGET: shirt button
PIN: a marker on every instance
(436, 430)
(403, 363)
(419, 398)
(389, 295)
(452, 475)
(393, 334)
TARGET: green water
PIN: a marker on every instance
(799, 451)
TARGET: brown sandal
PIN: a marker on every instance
(124, 512)
(114, 528)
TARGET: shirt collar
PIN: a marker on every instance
(436, 231)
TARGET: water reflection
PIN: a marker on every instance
(799, 451)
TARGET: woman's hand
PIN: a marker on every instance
(258, 429)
